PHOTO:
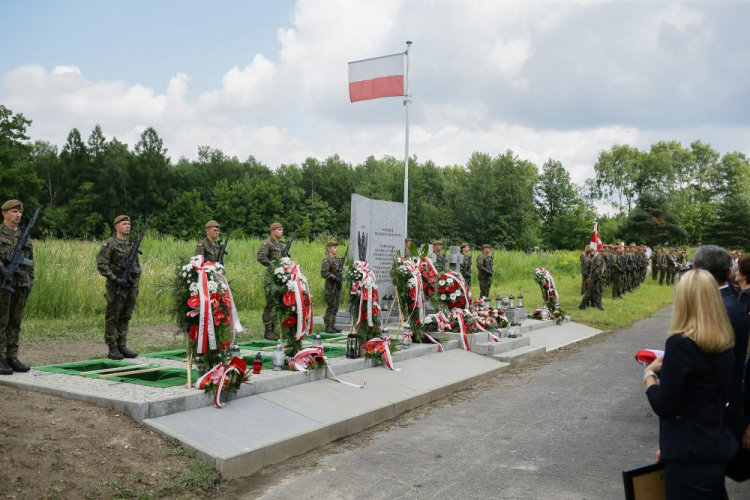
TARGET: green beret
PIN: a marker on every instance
(437, 242)
(275, 225)
(464, 245)
(121, 218)
(11, 204)
(486, 245)
(331, 244)
(212, 223)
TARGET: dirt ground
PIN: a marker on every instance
(52, 447)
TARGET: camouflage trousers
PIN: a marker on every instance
(269, 319)
(616, 285)
(662, 274)
(117, 315)
(332, 307)
(594, 292)
(11, 314)
(654, 272)
(484, 287)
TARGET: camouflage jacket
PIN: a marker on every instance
(209, 251)
(8, 241)
(466, 268)
(484, 266)
(111, 259)
(269, 251)
(655, 258)
(596, 269)
(329, 269)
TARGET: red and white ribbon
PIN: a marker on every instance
(551, 283)
(375, 344)
(461, 284)
(302, 299)
(462, 330)
(648, 356)
(206, 333)
(334, 377)
(234, 315)
(429, 337)
(365, 288)
(418, 303)
(302, 359)
(219, 374)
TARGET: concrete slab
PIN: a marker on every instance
(521, 355)
(558, 336)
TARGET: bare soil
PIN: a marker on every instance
(52, 447)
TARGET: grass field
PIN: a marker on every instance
(67, 300)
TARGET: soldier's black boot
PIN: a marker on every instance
(581, 306)
(114, 353)
(17, 366)
(336, 330)
(330, 329)
(5, 368)
(127, 352)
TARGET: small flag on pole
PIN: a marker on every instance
(376, 78)
(596, 242)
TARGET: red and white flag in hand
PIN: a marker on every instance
(377, 77)
(596, 242)
(647, 356)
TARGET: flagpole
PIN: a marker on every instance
(406, 154)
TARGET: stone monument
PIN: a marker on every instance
(454, 259)
(381, 225)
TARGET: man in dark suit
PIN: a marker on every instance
(717, 261)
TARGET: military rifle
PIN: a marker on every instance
(492, 264)
(15, 260)
(340, 273)
(285, 252)
(130, 269)
(223, 251)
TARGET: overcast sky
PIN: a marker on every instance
(559, 80)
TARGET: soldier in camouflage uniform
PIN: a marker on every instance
(584, 261)
(110, 263)
(209, 247)
(605, 260)
(655, 256)
(407, 247)
(663, 262)
(594, 283)
(437, 249)
(671, 266)
(466, 264)
(267, 254)
(13, 303)
(616, 271)
(484, 271)
(329, 270)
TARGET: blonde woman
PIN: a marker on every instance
(691, 395)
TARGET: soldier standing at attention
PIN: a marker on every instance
(329, 270)
(111, 264)
(484, 271)
(407, 247)
(671, 266)
(13, 303)
(466, 264)
(267, 254)
(584, 261)
(655, 262)
(662, 265)
(595, 283)
(209, 247)
(616, 273)
(437, 249)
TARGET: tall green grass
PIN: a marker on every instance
(68, 285)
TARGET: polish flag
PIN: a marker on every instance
(596, 242)
(647, 356)
(377, 77)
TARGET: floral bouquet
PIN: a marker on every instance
(415, 279)
(363, 300)
(224, 377)
(310, 358)
(541, 314)
(491, 318)
(204, 310)
(380, 351)
(463, 322)
(547, 285)
(453, 293)
(293, 303)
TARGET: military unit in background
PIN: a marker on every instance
(485, 271)
(16, 285)
(439, 260)
(624, 269)
(466, 263)
(269, 251)
(121, 286)
(330, 271)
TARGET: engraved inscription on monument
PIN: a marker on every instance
(383, 223)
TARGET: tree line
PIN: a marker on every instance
(667, 194)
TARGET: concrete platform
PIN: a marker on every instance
(270, 428)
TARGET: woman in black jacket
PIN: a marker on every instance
(691, 395)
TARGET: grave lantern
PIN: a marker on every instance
(257, 364)
(498, 302)
(405, 341)
(520, 300)
(317, 341)
(278, 357)
(352, 346)
(512, 300)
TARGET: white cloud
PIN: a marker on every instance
(545, 79)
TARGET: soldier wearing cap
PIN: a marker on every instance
(437, 250)
(466, 264)
(209, 247)
(616, 271)
(484, 271)
(329, 270)
(13, 303)
(268, 252)
(407, 247)
(111, 264)
(584, 262)
(655, 256)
